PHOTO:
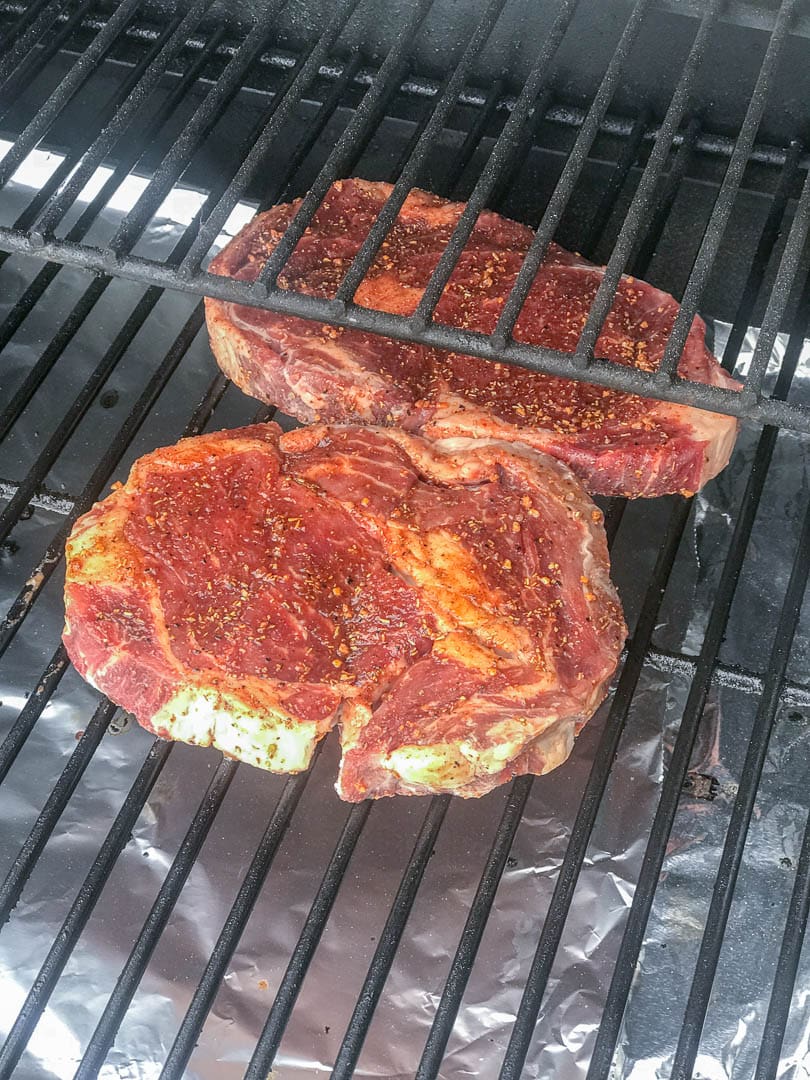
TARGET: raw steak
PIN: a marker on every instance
(618, 444)
(448, 602)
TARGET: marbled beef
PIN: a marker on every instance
(618, 444)
(448, 602)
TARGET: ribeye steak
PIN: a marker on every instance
(449, 603)
(618, 444)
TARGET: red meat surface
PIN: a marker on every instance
(617, 443)
(447, 602)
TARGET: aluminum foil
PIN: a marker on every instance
(583, 967)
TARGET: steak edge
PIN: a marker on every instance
(448, 603)
(617, 443)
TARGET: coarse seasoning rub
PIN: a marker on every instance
(617, 443)
(448, 603)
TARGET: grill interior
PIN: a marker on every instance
(137, 139)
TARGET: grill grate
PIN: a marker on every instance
(40, 235)
(193, 64)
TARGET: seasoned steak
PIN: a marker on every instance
(617, 443)
(449, 603)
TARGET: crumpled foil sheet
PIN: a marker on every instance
(584, 964)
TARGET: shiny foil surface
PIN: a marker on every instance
(584, 963)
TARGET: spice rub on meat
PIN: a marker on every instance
(617, 443)
(449, 603)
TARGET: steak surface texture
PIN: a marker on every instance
(447, 602)
(617, 443)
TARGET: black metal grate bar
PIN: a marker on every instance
(26, 303)
(32, 710)
(640, 649)
(547, 360)
(781, 292)
(27, 15)
(35, 21)
(679, 763)
(269, 1041)
(551, 935)
(82, 908)
(59, 202)
(215, 393)
(626, 160)
(195, 131)
(782, 414)
(308, 71)
(574, 164)
(731, 860)
(13, 76)
(410, 173)
(404, 156)
(517, 158)
(472, 139)
(57, 345)
(721, 212)
(641, 204)
(16, 737)
(105, 115)
(385, 952)
(168, 895)
(526, 138)
(206, 405)
(613, 519)
(366, 136)
(278, 188)
(502, 152)
(786, 967)
(41, 574)
(670, 186)
(61, 792)
(78, 75)
(638, 236)
(263, 414)
(267, 1046)
(730, 675)
(362, 123)
(456, 981)
(37, 472)
(252, 884)
(770, 234)
(10, 515)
